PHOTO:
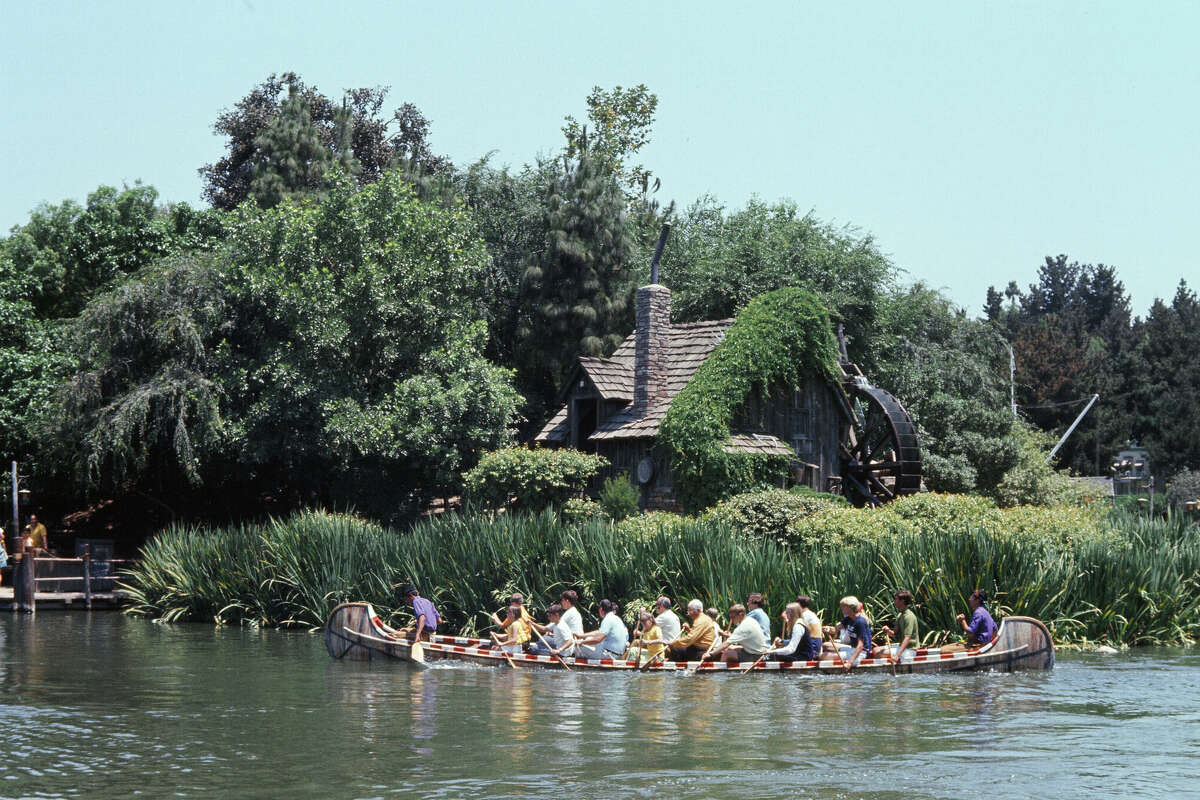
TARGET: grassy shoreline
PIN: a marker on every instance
(1110, 578)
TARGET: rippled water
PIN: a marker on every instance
(111, 707)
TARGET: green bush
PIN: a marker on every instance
(530, 479)
(1032, 481)
(770, 513)
(619, 498)
(577, 510)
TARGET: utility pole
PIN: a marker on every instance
(16, 520)
(1012, 378)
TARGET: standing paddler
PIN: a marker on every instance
(426, 616)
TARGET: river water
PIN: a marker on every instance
(105, 706)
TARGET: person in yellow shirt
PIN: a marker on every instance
(516, 599)
(35, 532)
(651, 639)
(516, 630)
(698, 636)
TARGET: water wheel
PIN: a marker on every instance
(881, 458)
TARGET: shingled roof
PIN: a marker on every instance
(690, 345)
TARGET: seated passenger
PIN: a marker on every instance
(905, 634)
(666, 620)
(796, 646)
(650, 639)
(982, 628)
(756, 612)
(746, 641)
(610, 639)
(560, 641)
(813, 622)
(516, 632)
(694, 641)
(854, 633)
(516, 599)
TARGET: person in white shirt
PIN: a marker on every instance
(560, 641)
(746, 641)
(571, 617)
(666, 620)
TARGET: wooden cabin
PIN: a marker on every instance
(614, 406)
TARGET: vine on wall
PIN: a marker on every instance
(778, 337)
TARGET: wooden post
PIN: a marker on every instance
(24, 583)
(18, 562)
(87, 576)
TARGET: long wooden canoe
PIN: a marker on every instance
(355, 631)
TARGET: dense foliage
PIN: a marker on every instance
(1120, 579)
(778, 337)
(377, 144)
(328, 353)
(530, 479)
(357, 320)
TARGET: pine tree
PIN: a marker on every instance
(294, 159)
(576, 288)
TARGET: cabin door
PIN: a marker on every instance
(586, 414)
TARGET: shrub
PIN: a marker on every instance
(770, 513)
(619, 498)
(530, 479)
(1032, 481)
(578, 510)
(647, 526)
(1183, 488)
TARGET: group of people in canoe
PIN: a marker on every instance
(660, 634)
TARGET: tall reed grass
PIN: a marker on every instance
(1137, 583)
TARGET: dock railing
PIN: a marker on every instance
(34, 575)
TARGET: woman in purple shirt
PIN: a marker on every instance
(982, 628)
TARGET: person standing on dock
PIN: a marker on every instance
(426, 616)
(36, 536)
(666, 620)
(982, 628)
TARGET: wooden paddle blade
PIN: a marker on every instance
(417, 653)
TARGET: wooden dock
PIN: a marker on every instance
(39, 581)
(66, 601)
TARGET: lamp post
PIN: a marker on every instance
(18, 494)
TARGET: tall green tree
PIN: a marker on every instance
(294, 160)
(575, 289)
(378, 143)
(617, 128)
(717, 261)
(331, 353)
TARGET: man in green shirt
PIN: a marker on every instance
(905, 634)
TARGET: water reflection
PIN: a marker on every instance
(111, 707)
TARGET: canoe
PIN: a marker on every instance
(355, 631)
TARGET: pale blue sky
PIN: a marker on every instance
(970, 138)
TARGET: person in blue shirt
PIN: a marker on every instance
(610, 639)
(759, 614)
(982, 628)
(854, 633)
(425, 615)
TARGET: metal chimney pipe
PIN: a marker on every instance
(658, 248)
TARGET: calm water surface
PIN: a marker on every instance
(105, 706)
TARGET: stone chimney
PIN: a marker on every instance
(651, 345)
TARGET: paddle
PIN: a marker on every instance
(551, 649)
(496, 636)
(711, 645)
(756, 663)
